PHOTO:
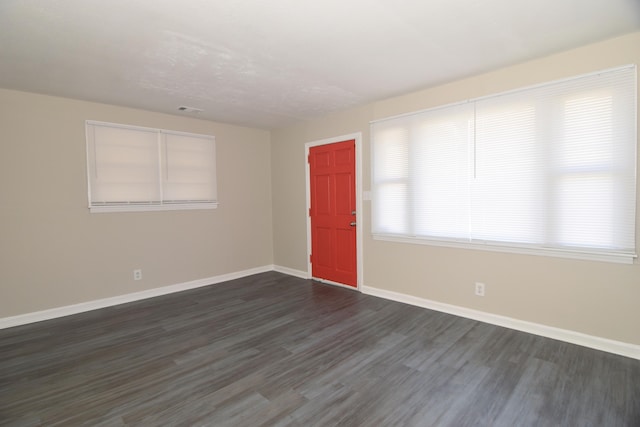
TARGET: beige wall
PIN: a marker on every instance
(594, 298)
(54, 253)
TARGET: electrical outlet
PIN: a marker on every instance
(479, 289)
(137, 274)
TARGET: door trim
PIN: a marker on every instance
(359, 217)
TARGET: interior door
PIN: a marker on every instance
(333, 215)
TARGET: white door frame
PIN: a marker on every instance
(359, 217)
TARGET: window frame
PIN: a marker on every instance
(597, 254)
(161, 162)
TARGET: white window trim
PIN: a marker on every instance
(152, 207)
(494, 95)
(612, 257)
(97, 207)
(621, 258)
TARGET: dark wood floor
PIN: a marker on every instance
(271, 349)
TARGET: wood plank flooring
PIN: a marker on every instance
(274, 350)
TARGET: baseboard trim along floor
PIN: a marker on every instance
(598, 343)
(68, 310)
(291, 272)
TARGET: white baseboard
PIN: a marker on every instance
(291, 272)
(598, 343)
(68, 310)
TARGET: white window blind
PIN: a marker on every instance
(190, 169)
(134, 168)
(549, 169)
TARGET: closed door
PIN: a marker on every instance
(333, 215)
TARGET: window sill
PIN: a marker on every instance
(619, 258)
(152, 207)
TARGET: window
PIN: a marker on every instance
(546, 170)
(140, 169)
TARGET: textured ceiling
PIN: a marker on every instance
(271, 64)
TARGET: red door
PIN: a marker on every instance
(333, 215)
